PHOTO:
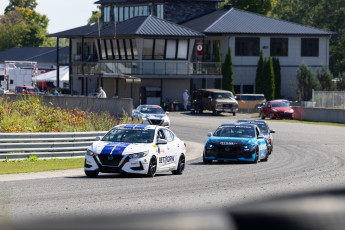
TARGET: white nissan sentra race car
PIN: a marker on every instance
(133, 148)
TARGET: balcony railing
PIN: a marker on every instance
(147, 68)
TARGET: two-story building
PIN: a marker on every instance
(146, 49)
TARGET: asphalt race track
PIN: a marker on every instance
(305, 158)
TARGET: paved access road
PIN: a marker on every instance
(305, 158)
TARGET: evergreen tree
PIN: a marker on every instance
(277, 76)
(325, 78)
(228, 75)
(217, 58)
(269, 79)
(259, 80)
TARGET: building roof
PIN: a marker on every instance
(235, 21)
(76, 32)
(39, 54)
(137, 26)
(147, 26)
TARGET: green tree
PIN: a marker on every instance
(321, 14)
(22, 26)
(269, 81)
(260, 7)
(94, 17)
(28, 4)
(306, 82)
(217, 58)
(325, 78)
(277, 76)
(228, 75)
(259, 80)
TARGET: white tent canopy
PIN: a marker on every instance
(51, 75)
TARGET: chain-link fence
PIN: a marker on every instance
(329, 99)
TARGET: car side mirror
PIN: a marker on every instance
(272, 131)
(162, 142)
(98, 138)
(209, 134)
(260, 136)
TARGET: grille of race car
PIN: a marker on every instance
(284, 115)
(155, 121)
(110, 160)
(230, 151)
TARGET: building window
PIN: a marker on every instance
(110, 53)
(116, 49)
(160, 11)
(247, 46)
(171, 49)
(279, 47)
(159, 49)
(106, 15)
(207, 50)
(182, 51)
(310, 47)
(148, 49)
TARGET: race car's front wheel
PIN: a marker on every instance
(91, 173)
(152, 167)
(205, 160)
(180, 166)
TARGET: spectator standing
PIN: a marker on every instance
(185, 99)
(101, 93)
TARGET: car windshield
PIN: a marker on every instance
(235, 131)
(153, 110)
(222, 95)
(35, 90)
(263, 127)
(280, 104)
(129, 135)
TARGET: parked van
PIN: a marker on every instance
(215, 100)
(250, 102)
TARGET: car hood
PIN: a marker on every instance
(231, 140)
(119, 148)
(281, 109)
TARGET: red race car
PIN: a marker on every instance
(279, 109)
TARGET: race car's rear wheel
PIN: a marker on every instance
(152, 167)
(91, 173)
(180, 167)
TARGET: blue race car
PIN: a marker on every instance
(265, 129)
(236, 142)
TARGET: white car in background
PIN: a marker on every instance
(151, 115)
(138, 149)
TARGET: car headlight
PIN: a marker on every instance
(144, 118)
(90, 153)
(291, 110)
(248, 147)
(138, 155)
(274, 110)
(209, 145)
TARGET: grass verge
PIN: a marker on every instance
(32, 164)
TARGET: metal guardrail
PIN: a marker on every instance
(45, 145)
